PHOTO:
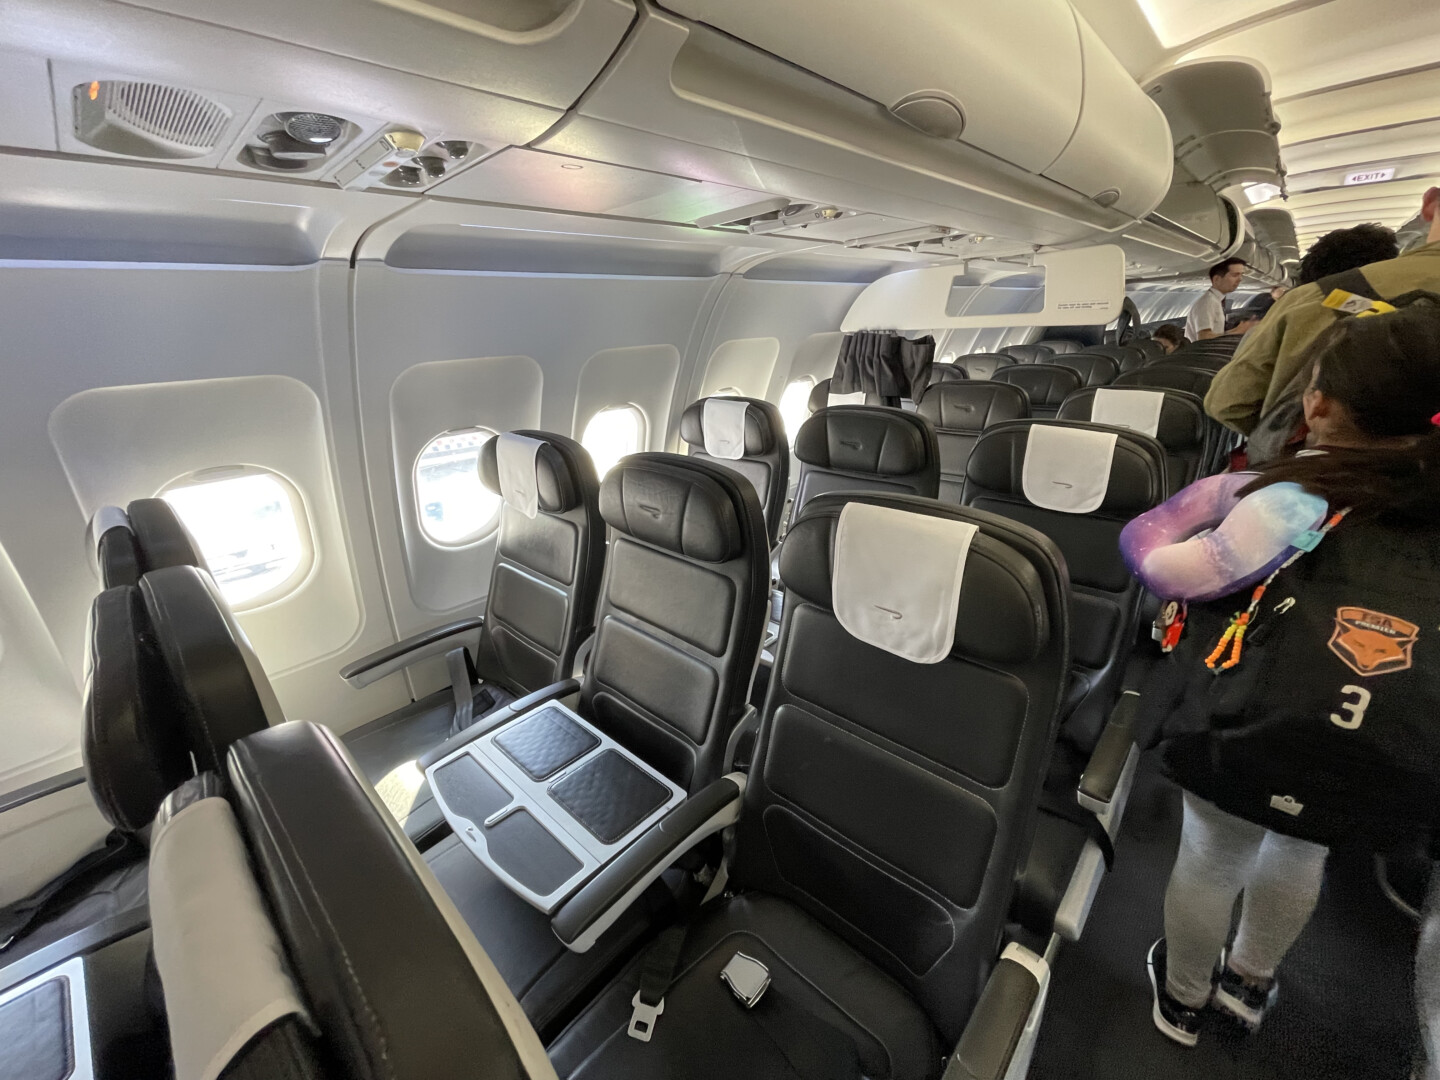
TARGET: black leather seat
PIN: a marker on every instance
(1062, 346)
(1105, 605)
(766, 462)
(679, 626)
(822, 398)
(863, 448)
(147, 535)
(172, 684)
(982, 365)
(1170, 375)
(1094, 369)
(1184, 430)
(960, 411)
(1150, 346)
(1126, 357)
(539, 609)
(945, 373)
(1035, 353)
(872, 864)
(1046, 385)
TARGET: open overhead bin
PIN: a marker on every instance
(912, 109)
(1275, 229)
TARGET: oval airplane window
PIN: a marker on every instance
(251, 527)
(795, 404)
(613, 434)
(455, 507)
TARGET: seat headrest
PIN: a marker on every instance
(111, 542)
(760, 433)
(865, 439)
(1047, 385)
(1035, 353)
(973, 406)
(680, 504)
(559, 470)
(134, 746)
(945, 373)
(1095, 369)
(822, 398)
(1180, 425)
(1137, 466)
(161, 536)
(1002, 612)
(983, 365)
(222, 693)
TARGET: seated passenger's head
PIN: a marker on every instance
(1170, 337)
(1347, 249)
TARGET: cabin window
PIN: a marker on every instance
(795, 405)
(252, 530)
(612, 434)
(455, 507)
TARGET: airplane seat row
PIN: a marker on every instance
(1033, 353)
(745, 435)
(1046, 385)
(344, 955)
(1176, 420)
(960, 412)
(866, 448)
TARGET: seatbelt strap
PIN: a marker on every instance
(657, 972)
(19, 916)
(1071, 811)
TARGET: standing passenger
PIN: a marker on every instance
(1207, 317)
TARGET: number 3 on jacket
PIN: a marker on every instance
(1355, 708)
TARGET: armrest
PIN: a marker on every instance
(602, 900)
(999, 1040)
(496, 717)
(436, 641)
(1106, 779)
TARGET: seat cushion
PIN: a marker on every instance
(548, 980)
(828, 1014)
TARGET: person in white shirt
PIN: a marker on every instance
(1207, 317)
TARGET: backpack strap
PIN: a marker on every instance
(1350, 293)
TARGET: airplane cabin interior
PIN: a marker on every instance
(582, 538)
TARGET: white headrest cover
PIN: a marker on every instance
(896, 580)
(220, 961)
(724, 428)
(1067, 468)
(857, 398)
(1138, 410)
(105, 519)
(515, 462)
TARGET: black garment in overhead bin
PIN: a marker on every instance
(1325, 728)
(884, 364)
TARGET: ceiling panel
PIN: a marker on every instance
(1399, 99)
(1176, 22)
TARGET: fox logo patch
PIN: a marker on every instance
(1371, 642)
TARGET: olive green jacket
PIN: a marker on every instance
(1272, 354)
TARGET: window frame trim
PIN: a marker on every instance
(492, 524)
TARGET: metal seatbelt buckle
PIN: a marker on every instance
(642, 1018)
(747, 978)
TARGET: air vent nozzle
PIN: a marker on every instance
(296, 141)
(144, 119)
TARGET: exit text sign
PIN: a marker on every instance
(1369, 176)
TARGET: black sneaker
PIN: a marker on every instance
(1175, 1021)
(1240, 1000)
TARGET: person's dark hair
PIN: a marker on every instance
(1221, 268)
(1385, 370)
(1169, 332)
(1347, 249)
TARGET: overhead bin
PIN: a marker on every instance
(913, 109)
(1275, 229)
(1220, 116)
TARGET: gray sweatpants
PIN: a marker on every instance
(1222, 856)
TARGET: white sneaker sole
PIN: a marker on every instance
(1169, 1030)
(1236, 1008)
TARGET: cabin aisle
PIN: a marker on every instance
(1345, 1007)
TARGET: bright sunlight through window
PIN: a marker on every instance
(611, 434)
(455, 507)
(249, 530)
(795, 405)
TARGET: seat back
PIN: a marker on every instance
(1170, 375)
(681, 614)
(766, 458)
(341, 955)
(1105, 599)
(982, 365)
(960, 411)
(1034, 353)
(546, 575)
(1182, 428)
(172, 683)
(1127, 357)
(945, 373)
(1094, 369)
(147, 535)
(861, 448)
(1047, 385)
(890, 799)
(1061, 346)
(1150, 347)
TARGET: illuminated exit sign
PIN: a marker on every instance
(1370, 176)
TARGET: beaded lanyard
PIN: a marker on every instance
(1234, 635)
